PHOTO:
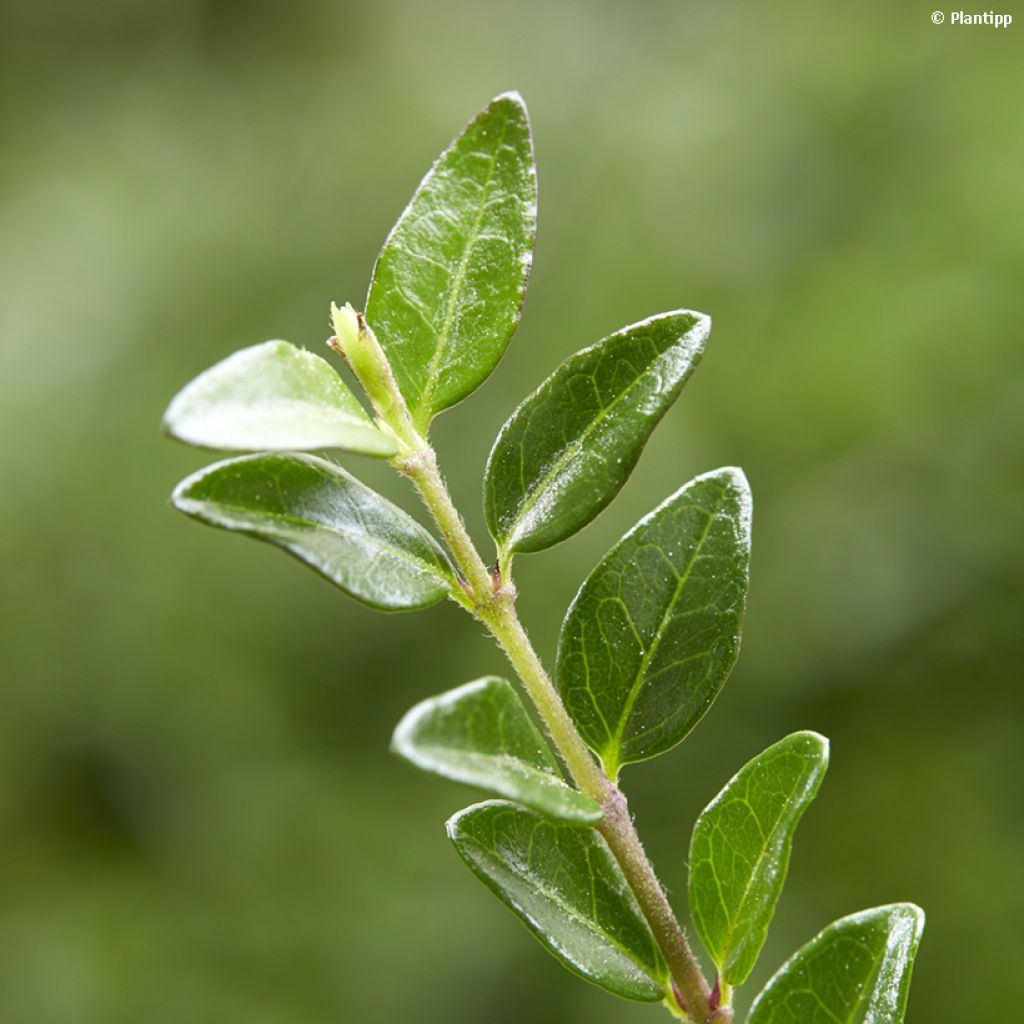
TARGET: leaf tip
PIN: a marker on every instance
(820, 744)
(180, 496)
(906, 921)
(735, 476)
(512, 97)
(167, 425)
(171, 416)
(912, 916)
(452, 825)
(400, 744)
(735, 479)
(701, 326)
(403, 739)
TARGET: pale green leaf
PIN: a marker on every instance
(739, 853)
(564, 884)
(448, 286)
(273, 397)
(654, 631)
(568, 449)
(327, 519)
(480, 734)
(856, 971)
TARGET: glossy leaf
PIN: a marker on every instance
(739, 853)
(273, 397)
(564, 884)
(856, 971)
(568, 449)
(480, 734)
(327, 519)
(654, 631)
(448, 286)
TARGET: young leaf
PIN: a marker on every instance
(273, 397)
(856, 971)
(740, 849)
(326, 518)
(568, 449)
(653, 633)
(565, 886)
(480, 734)
(448, 285)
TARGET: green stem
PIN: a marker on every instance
(421, 468)
(495, 608)
(505, 626)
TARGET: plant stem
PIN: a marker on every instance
(421, 468)
(495, 608)
(504, 624)
(620, 833)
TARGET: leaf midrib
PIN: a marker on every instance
(573, 448)
(441, 341)
(541, 777)
(733, 921)
(314, 526)
(648, 656)
(329, 417)
(864, 998)
(554, 897)
(355, 417)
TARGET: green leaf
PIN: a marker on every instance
(564, 884)
(568, 449)
(654, 631)
(856, 971)
(327, 519)
(739, 853)
(480, 734)
(448, 286)
(273, 397)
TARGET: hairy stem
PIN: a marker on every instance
(495, 608)
(421, 468)
(501, 619)
(620, 833)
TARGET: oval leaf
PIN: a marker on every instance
(568, 449)
(856, 971)
(564, 884)
(481, 735)
(448, 285)
(273, 397)
(653, 633)
(739, 853)
(327, 519)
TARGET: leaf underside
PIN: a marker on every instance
(568, 449)
(856, 971)
(653, 633)
(740, 850)
(480, 734)
(323, 516)
(273, 397)
(448, 286)
(564, 884)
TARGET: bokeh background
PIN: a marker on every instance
(200, 819)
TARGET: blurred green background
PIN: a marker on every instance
(200, 819)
